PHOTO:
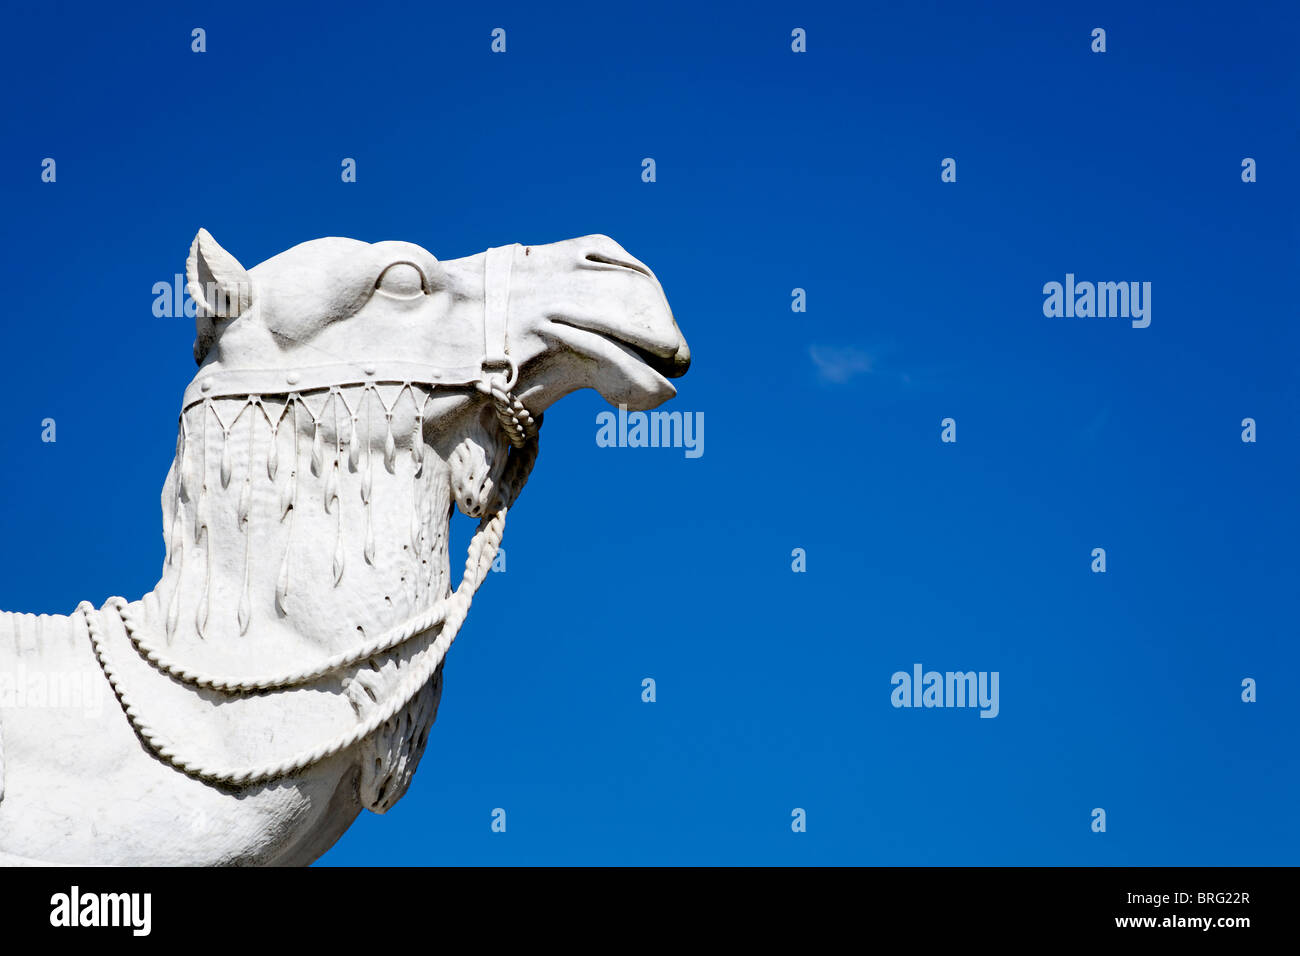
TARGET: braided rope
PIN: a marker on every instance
(450, 613)
(517, 421)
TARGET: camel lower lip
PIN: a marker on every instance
(662, 368)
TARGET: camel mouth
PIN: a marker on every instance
(647, 367)
(672, 366)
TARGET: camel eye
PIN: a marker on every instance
(402, 280)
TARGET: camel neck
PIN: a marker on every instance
(312, 519)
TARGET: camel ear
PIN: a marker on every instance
(220, 287)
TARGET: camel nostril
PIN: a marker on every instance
(606, 260)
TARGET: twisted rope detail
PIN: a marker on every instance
(517, 421)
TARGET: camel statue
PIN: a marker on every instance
(286, 670)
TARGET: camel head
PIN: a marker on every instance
(336, 352)
(582, 313)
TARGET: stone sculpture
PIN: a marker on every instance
(286, 670)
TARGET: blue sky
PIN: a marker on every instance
(775, 171)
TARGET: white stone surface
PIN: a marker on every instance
(334, 422)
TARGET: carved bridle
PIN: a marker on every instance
(495, 376)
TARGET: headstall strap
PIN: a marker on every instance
(498, 367)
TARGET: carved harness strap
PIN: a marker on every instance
(495, 377)
(498, 264)
(499, 372)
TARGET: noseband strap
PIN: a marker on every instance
(498, 264)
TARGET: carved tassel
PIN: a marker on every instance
(367, 486)
(174, 605)
(332, 488)
(200, 511)
(317, 451)
(354, 447)
(417, 440)
(177, 533)
(282, 583)
(390, 446)
(273, 455)
(338, 553)
(287, 511)
(201, 617)
(225, 458)
(185, 492)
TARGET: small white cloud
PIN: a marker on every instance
(839, 363)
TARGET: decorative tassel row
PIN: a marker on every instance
(193, 495)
